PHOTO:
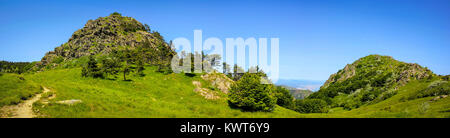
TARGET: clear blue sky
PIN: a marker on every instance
(316, 37)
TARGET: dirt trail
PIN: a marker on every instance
(25, 108)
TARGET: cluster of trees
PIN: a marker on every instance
(15, 67)
(125, 61)
(250, 95)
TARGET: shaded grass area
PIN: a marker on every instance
(14, 88)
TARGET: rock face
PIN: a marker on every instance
(102, 35)
(207, 93)
(373, 66)
(219, 80)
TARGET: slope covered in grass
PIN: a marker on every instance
(173, 95)
(154, 95)
(399, 105)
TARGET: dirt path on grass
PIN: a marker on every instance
(25, 108)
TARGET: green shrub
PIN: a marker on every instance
(91, 69)
(311, 106)
(284, 98)
(250, 95)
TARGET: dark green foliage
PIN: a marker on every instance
(147, 28)
(311, 106)
(160, 56)
(110, 66)
(284, 98)
(140, 68)
(116, 14)
(368, 96)
(250, 95)
(446, 77)
(91, 69)
(124, 60)
(126, 69)
(15, 67)
(127, 58)
(164, 57)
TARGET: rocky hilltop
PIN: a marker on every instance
(377, 66)
(104, 34)
(368, 80)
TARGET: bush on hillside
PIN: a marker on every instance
(91, 69)
(284, 98)
(250, 95)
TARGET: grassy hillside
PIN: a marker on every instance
(155, 95)
(14, 88)
(398, 106)
(173, 95)
(401, 106)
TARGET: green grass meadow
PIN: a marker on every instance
(158, 95)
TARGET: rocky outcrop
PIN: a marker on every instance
(219, 80)
(102, 35)
(373, 66)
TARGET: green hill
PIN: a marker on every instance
(400, 105)
(375, 80)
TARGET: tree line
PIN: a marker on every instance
(249, 94)
(15, 67)
(125, 60)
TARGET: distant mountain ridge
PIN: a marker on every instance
(312, 85)
(298, 93)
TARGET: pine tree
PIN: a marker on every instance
(111, 66)
(91, 69)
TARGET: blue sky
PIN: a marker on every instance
(317, 38)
